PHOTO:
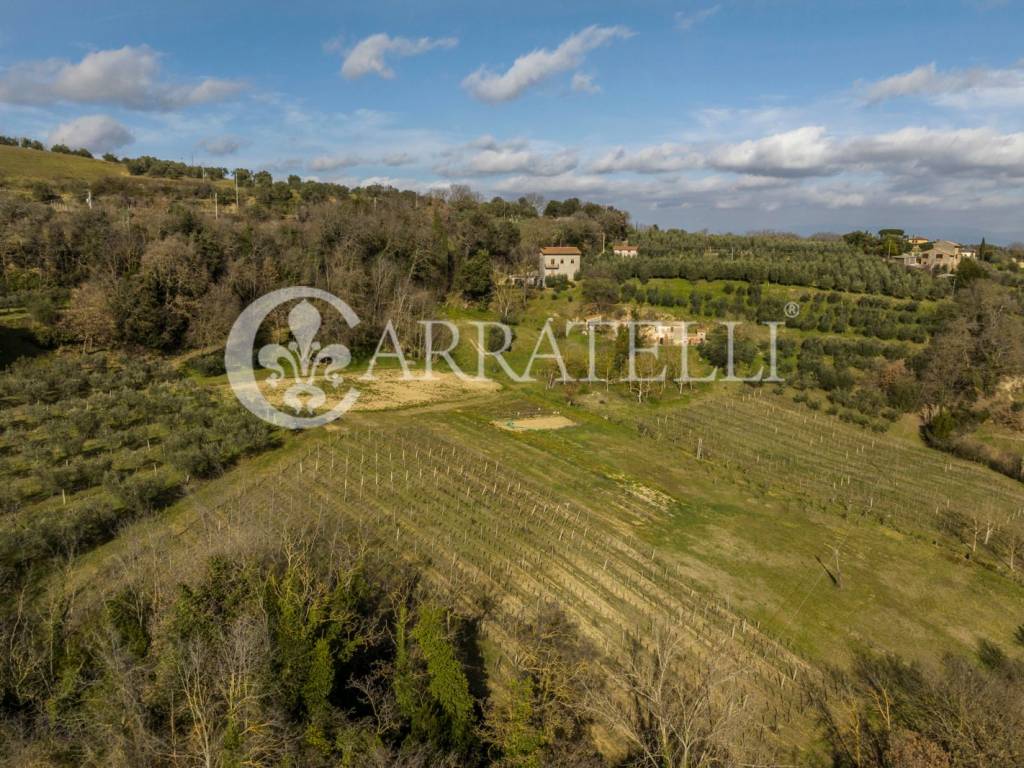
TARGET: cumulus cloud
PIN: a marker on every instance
(128, 77)
(369, 55)
(222, 145)
(488, 157)
(919, 151)
(806, 151)
(537, 66)
(98, 133)
(956, 87)
(686, 21)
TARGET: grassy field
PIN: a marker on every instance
(17, 164)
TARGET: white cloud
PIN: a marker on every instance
(333, 162)
(719, 119)
(659, 158)
(539, 65)
(920, 151)
(830, 197)
(486, 156)
(127, 77)
(686, 21)
(810, 151)
(324, 163)
(368, 56)
(805, 151)
(222, 145)
(98, 133)
(962, 88)
(583, 83)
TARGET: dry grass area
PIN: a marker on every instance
(389, 390)
(533, 423)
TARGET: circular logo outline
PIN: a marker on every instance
(241, 343)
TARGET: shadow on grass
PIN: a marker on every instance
(16, 343)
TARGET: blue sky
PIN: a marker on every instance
(727, 115)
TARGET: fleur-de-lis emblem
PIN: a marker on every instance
(304, 356)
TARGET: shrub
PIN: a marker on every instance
(208, 365)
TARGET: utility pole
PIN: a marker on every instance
(236, 190)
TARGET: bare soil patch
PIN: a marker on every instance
(534, 423)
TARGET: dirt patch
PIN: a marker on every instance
(534, 423)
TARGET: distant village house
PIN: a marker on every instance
(672, 333)
(662, 333)
(560, 260)
(625, 249)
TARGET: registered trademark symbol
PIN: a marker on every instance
(792, 309)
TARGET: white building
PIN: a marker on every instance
(625, 249)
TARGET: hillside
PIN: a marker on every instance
(19, 165)
(385, 585)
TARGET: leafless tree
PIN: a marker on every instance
(671, 709)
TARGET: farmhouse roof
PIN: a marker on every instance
(560, 250)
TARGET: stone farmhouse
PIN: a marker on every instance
(672, 333)
(560, 260)
(625, 249)
(939, 254)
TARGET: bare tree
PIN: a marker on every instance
(670, 709)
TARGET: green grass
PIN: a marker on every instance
(21, 165)
(1000, 437)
